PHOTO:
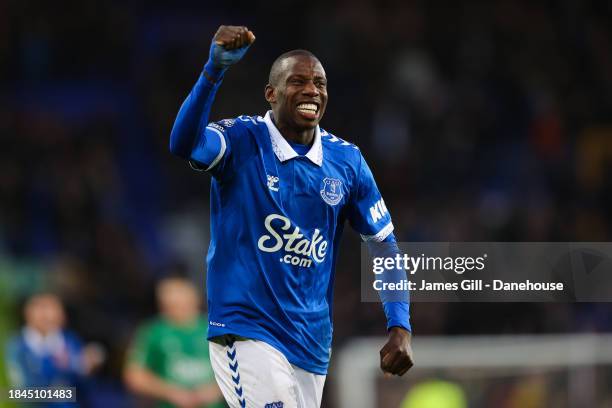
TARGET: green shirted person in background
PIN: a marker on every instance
(169, 359)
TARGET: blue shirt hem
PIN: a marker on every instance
(318, 369)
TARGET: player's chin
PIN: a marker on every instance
(307, 122)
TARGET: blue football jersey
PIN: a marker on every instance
(276, 222)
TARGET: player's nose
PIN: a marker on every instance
(310, 89)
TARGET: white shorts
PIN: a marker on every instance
(253, 374)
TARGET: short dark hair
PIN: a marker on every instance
(275, 69)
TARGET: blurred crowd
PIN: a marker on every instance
(481, 120)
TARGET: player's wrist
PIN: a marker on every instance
(401, 332)
(213, 72)
(214, 68)
(399, 322)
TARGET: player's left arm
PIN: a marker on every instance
(368, 215)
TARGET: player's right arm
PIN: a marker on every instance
(191, 138)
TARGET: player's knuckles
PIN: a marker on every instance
(235, 31)
(223, 37)
(226, 33)
(385, 350)
(390, 361)
(223, 30)
(385, 365)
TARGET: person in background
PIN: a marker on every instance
(44, 354)
(169, 359)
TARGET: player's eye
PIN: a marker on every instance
(296, 81)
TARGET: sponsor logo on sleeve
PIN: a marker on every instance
(378, 211)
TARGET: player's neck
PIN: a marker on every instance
(304, 137)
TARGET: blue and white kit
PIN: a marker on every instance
(277, 216)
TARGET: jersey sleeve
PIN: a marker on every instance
(212, 149)
(367, 212)
(141, 350)
(192, 116)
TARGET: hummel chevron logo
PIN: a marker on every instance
(233, 365)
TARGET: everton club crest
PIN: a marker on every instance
(331, 191)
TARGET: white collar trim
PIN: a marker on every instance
(283, 149)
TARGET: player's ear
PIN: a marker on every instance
(270, 94)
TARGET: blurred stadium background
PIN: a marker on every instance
(482, 120)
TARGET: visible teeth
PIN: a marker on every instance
(307, 106)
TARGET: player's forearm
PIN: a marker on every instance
(194, 113)
(396, 304)
(398, 315)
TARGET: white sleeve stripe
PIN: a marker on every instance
(221, 152)
(381, 235)
(195, 165)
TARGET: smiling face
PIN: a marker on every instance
(297, 92)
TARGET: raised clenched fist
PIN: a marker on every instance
(233, 37)
(229, 45)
